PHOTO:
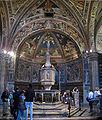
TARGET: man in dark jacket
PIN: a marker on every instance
(16, 102)
(29, 94)
(4, 97)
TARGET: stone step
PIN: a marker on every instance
(80, 113)
(47, 104)
(49, 108)
(63, 112)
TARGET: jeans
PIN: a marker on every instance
(21, 114)
(5, 107)
(30, 105)
(91, 105)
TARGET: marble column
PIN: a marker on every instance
(94, 78)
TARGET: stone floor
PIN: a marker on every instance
(58, 112)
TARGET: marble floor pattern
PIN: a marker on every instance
(57, 111)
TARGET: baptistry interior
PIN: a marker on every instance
(74, 30)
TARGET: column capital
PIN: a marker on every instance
(93, 56)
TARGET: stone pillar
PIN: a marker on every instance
(90, 73)
(2, 76)
(86, 77)
(94, 78)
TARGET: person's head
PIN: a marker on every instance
(75, 89)
(22, 92)
(96, 88)
(30, 85)
(16, 89)
(90, 90)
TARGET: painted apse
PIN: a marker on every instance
(64, 54)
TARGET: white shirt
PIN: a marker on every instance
(91, 95)
(97, 93)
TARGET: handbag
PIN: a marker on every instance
(87, 98)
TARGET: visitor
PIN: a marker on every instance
(29, 94)
(21, 107)
(67, 96)
(64, 97)
(4, 97)
(100, 98)
(61, 97)
(76, 97)
(96, 97)
(11, 102)
(97, 93)
(71, 97)
(16, 102)
(91, 99)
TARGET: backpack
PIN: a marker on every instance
(5, 96)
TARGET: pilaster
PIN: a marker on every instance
(93, 61)
(2, 75)
(90, 73)
(86, 77)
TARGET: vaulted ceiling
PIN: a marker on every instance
(73, 27)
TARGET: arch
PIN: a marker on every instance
(66, 28)
(42, 33)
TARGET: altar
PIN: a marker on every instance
(47, 96)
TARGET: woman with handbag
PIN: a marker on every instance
(21, 107)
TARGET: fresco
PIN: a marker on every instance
(60, 45)
(73, 71)
(27, 72)
(66, 72)
(67, 44)
(54, 49)
(35, 72)
(30, 45)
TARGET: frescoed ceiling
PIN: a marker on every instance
(71, 25)
(61, 46)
